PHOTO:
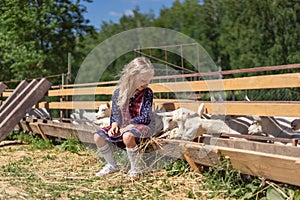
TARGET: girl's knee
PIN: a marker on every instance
(99, 140)
(129, 140)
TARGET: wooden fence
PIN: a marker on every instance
(265, 108)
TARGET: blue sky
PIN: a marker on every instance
(106, 10)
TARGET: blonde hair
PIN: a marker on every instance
(129, 75)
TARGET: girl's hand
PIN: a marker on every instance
(114, 130)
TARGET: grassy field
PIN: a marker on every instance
(31, 168)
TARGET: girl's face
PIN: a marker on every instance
(143, 81)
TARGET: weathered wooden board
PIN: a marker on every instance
(288, 109)
(12, 101)
(31, 98)
(19, 89)
(245, 83)
(269, 165)
(270, 108)
(82, 91)
(277, 149)
(2, 87)
(84, 133)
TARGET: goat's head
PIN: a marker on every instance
(175, 118)
(255, 128)
(103, 111)
(167, 120)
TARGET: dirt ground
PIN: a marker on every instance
(52, 174)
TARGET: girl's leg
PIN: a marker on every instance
(133, 154)
(105, 150)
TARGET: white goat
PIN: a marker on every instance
(170, 119)
(190, 124)
(195, 127)
(103, 115)
(100, 118)
(103, 111)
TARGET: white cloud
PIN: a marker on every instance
(115, 14)
(128, 13)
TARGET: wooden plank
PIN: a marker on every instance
(268, 108)
(277, 149)
(82, 91)
(245, 83)
(200, 153)
(271, 166)
(12, 119)
(24, 126)
(84, 133)
(2, 87)
(88, 105)
(16, 97)
(20, 90)
(261, 138)
(191, 162)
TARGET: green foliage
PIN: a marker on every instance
(178, 167)
(36, 36)
(72, 145)
(229, 183)
(36, 142)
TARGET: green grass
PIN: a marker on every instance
(41, 169)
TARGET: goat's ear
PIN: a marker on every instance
(164, 114)
(200, 109)
(108, 105)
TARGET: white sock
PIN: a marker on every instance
(107, 153)
(134, 157)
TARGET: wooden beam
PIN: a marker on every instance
(84, 133)
(88, 105)
(12, 119)
(245, 83)
(267, 108)
(191, 162)
(272, 166)
(16, 97)
(82, 91)
(20, 90)
(2, 87)
(277, 149)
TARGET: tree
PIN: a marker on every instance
(260, 33)
(36, 36)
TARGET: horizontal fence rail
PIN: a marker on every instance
(263, 82)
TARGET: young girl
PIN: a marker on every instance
(130, 116)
